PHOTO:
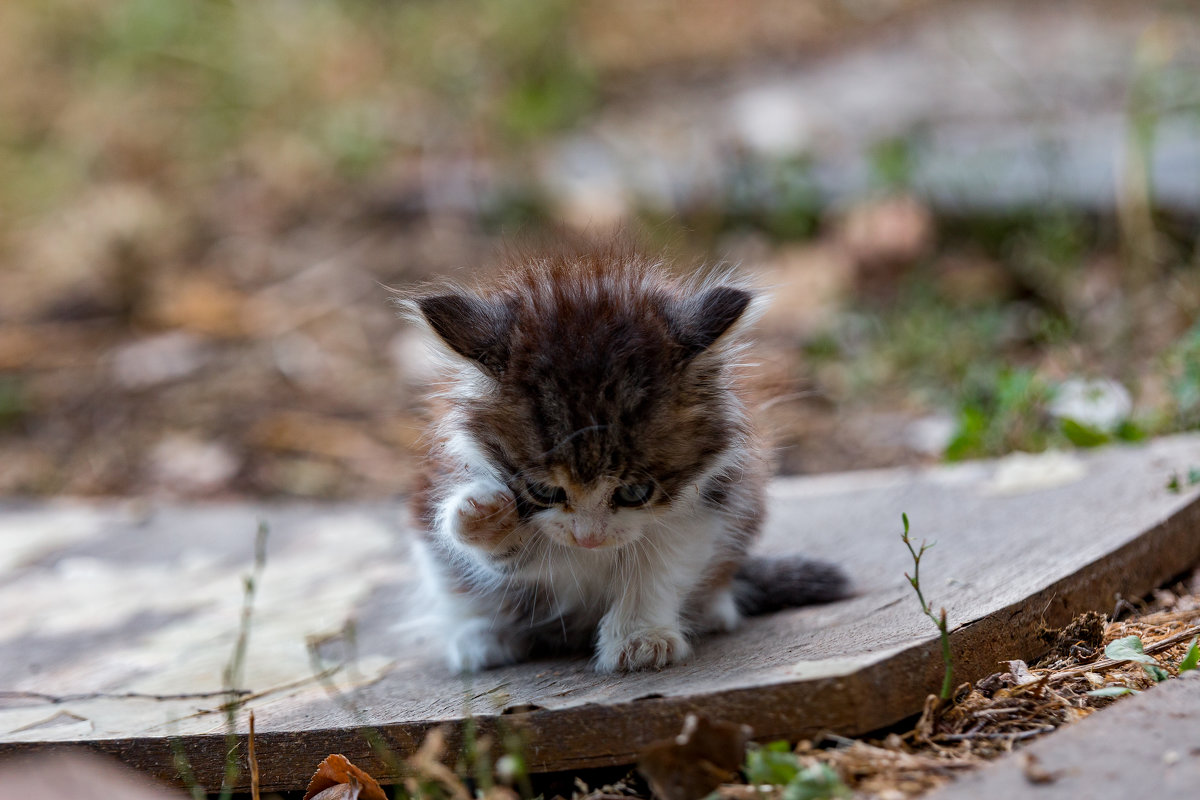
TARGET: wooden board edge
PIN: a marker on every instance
(881, 694)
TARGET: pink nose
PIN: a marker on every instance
(588, 535)
(590, 540)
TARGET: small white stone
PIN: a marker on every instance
(930, 435)
(1102, 404)
(192, 466)
(158, 359)
(1020, 473)
(772, 120)
(507, 768)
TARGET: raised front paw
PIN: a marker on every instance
(486, 519)
(650, 648)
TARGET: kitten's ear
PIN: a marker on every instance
(470, 326)
(701, 320)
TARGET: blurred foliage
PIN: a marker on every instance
(1002, 409)
(13, 406)
(892, 162)
(1183, 367)
(171, 90)
(776, 196)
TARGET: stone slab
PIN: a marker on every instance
(1144, 746)
(117, 620)
(1021, 105)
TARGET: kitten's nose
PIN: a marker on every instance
(589, 536)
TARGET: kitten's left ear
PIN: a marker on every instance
(699, 321)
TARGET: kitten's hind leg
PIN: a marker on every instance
(718, 613)
(476, 644)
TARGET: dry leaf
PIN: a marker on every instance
(343, 791)
(1020, 672)
(885, 233)
(702, 757)
(336, 772)
(201, 305)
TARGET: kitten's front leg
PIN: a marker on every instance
(642, 629)
(483, 515)
(479, 520)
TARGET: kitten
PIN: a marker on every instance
(594, 478)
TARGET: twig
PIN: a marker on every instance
(56, 699)
(246, 696)
(962, 737)
(253, 762)
(1109, 663)
(234, 670)
(994, 713)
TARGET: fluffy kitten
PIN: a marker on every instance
(594, 478)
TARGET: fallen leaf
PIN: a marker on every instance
(1129, 649)
(1020, 672)
(886, 235)
(703, 756)
(342, 791)
(1192, 658)
(200, 305)
(336, 772)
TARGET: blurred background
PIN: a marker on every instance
(978, 217)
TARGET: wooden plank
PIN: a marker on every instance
(77, 777)
(1145, 746)
(124, 598)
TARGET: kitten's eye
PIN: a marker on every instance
(545, 495)
(633, 494)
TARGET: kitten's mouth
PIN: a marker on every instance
(591, 542)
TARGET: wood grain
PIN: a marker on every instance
(102, 600)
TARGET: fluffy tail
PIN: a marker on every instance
(765, 585)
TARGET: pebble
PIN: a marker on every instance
(158, 359)
(1102, 403)
(192, 466)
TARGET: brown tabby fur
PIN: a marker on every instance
(582, 368)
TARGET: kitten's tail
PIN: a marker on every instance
(765, 585)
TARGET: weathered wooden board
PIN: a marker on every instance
(100, 601)
(1146, 746)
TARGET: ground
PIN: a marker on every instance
(193, 301)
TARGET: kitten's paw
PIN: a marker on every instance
(476, 647)
(651, 648)
(484, 520)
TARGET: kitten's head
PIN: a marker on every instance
(596, 386)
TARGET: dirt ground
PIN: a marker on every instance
(194, 262)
